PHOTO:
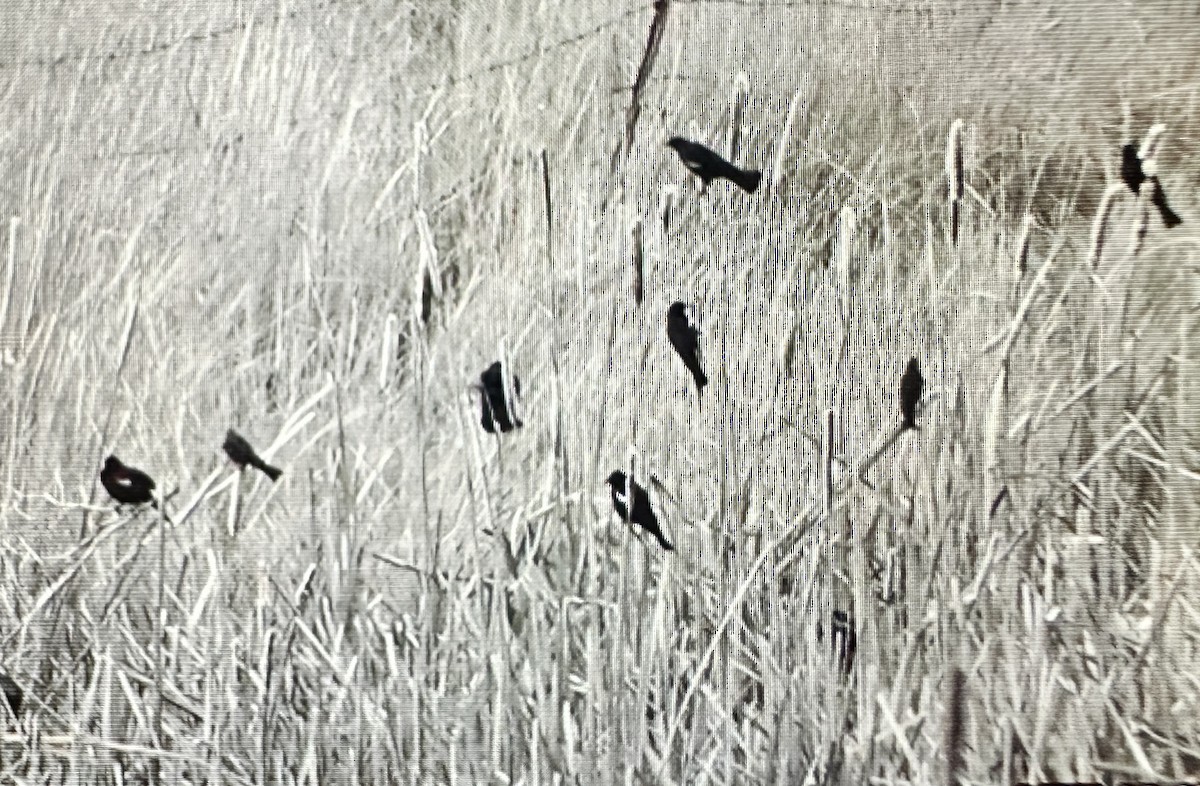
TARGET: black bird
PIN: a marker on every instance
(240, 453)
(493, 404)
(685, 339)
(13, 694)
(643, 514)
(912, 385)
(1131, 168)
(1159, 199)
(1134, 175)
(708, 165)
(127, 485)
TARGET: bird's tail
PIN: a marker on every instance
(271, 472)
(662, 541)
(1170, 217)
(748, 179)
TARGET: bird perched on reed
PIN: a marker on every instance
(240, 453)
(493, 403)
(624, 492)
(708, 165)
(686, 341)
(125, 484)
(1134, 175)
(912, 386)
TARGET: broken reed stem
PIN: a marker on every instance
(10, 270)
(993, 425)
(1021, 260)
(1140, 230)
(666, 200)
(737, 102)
(846, 227)
(1150, 143)
(387, 347)
(235, 508)
(1100, 225)
(160, 634)
(560, 451)
(954, 175)
(778, 175)
(653, 40)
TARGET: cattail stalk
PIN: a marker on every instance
(954, 175)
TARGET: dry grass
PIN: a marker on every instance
(318, 227)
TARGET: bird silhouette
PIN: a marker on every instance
(686, 340)
(1134, 175)
(624, 488)
(125, 484)
(1131, 168)
(240, 453)
(493, 403)
(708, 165)
(912, 385)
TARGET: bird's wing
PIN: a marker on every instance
(620, 502)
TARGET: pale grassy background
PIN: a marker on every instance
(226, 214)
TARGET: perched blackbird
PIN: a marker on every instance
(685, 339)
(1134, 175)
(709, 165)
(13, 694)
(1159, 200)
(125, 484)
(1131, 168)
(844, 639)
(643, 515)
(240, 453)
(493, 404)
(912, 385)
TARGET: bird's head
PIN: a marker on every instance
(676, 142)
(914, 366)
(491, 375)
(677, 310)
(112, 463)
(616, 479)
